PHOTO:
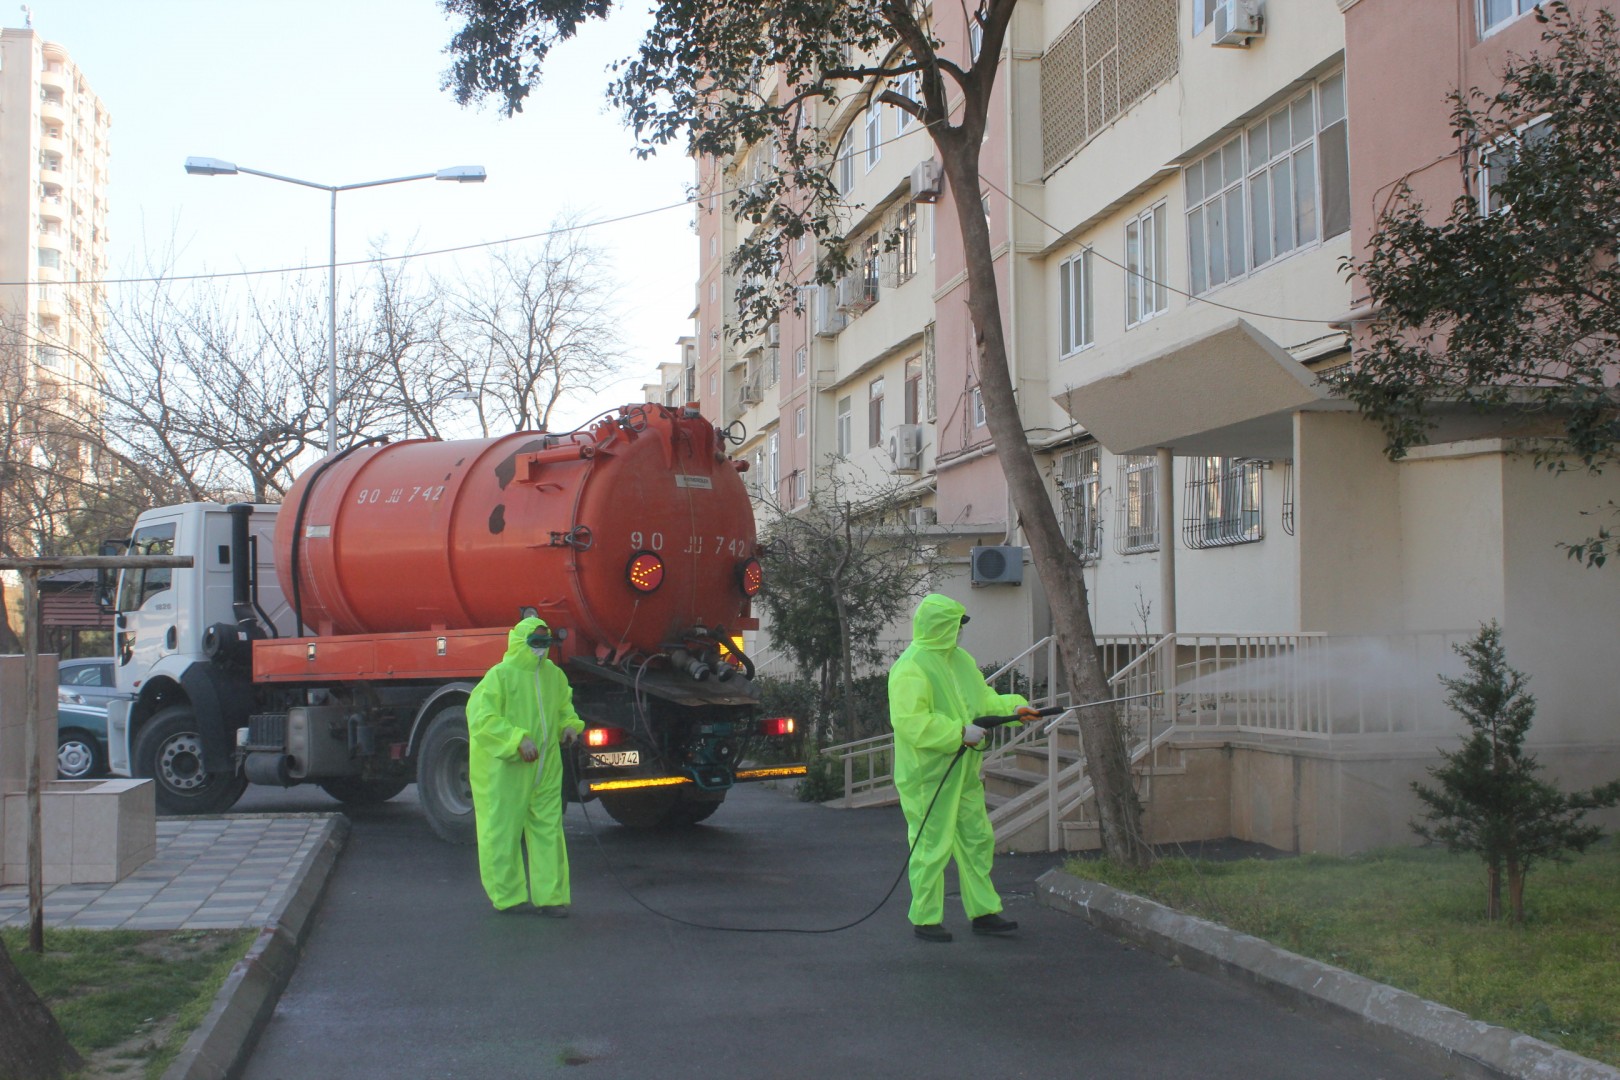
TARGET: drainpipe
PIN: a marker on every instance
(1167, 570)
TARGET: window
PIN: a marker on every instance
(874, 413)
(978, 408)
(874, 134)
(1074, 303)
(905, 251)
(845, 425)
(713, 386)
(714, 291)
(773, 454)
(871, 267)
(773, 365)
(1493, 13)
(1495, 162)
(906, 86)
(1145, 292)
(1138, 505)
(50, 257)
(975, 36)
(913, 395)
(844, 174)
(1080, 489)
(714, 246)
(1284, 183)
(136, 587)
(1203, 14)
(798, 422)
(799, 358)
(1222, 503)
(798, 486)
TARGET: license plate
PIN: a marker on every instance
(614, 759)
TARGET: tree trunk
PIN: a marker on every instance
(1493, 890)
(1515, 884)
(32, 1045)
(1119, 814)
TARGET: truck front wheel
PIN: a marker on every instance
(443, 783)
(169, 751)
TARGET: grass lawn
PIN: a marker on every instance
(1415, 918)
(128, 999)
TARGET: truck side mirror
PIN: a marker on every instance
(107, 580)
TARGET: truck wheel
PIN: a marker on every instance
(443, 783)
(169, 751)
(690, 811)
(647, 809)
(353, 791)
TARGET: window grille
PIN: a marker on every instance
(1080, 491)
(1108, 59)
(1138, 505)
(905, 238)
(1221, 506)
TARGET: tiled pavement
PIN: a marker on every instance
(216, 873)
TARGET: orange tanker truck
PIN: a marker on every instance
(333, 639)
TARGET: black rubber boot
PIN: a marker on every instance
(993, 924)
(932, 932)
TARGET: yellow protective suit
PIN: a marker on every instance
(519, 803)
(934, 690)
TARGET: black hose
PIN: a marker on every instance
(776, 929)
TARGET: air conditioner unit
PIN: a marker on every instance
(829, 319)
(997, 565)
(773, 334)
(905, 447)
(927, 180)
(923, 516)
(1236, 21)
(748, 395)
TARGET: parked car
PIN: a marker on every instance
(86, 682)
(81, 740)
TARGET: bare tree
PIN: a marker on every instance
(535, 328)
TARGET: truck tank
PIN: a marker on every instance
(630, 532)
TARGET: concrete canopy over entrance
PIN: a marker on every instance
(1230, 392)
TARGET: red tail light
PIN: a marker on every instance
(603, 736)
(751, 576)
(778, 725)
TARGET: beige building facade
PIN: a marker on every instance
(54, 161)
(1173, 187)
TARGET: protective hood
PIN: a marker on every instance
(937, 622)
(517, 643)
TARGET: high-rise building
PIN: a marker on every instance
(53, 218)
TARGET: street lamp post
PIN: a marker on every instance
(461, 174)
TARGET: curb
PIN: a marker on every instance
(1401, 1021)
(219, 1048)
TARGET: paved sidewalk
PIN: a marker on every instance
(213, 873)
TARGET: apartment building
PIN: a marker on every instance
(53, 214)
(1172, 189)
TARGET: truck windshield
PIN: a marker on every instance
(135, 587)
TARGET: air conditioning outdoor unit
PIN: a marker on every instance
(1236, 21)
(905, 447)
(829, 319)
(923, 516)
(927, 180)
(773, 334)
(996, 565)
(748, 395)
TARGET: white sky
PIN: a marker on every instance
(345, 91)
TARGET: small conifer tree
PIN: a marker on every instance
(1489, 800)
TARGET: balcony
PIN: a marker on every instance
(52, 208)
(53, 108)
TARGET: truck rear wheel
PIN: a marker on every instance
(443, 783)
(353, 791)
(169, 751)
(655, 808)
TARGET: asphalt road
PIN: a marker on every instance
(408, 973)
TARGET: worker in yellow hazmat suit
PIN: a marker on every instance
(519, 717)
(935, 692)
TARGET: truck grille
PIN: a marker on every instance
(267, 731)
